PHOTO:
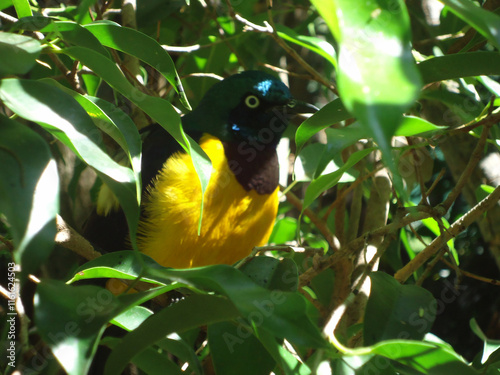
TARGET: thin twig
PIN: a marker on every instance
(7, 17)
(287, 72)
(209, 75)
(472, 275)
(465, 176)
(223, 37)
(430, 266)
(458, 226)
(347, 190)
(358, 243)
(489, 120)
(70, 239)
(418, 172)
(435, 182)
(320, 224)
(269, 29)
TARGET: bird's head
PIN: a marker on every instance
(249, 105)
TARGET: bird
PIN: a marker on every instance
(238, 123)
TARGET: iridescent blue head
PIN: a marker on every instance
(250, 105)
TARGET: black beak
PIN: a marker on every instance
(296, 107)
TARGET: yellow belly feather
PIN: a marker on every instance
(234, 220)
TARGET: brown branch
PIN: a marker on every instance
(67, 237)
(474, 159)
(347, 190)
(458, 226)
(287, 72)
(430, 266)
(472, 275)
(435, 182)
(358, 243)
(489, 120)
(269, 29)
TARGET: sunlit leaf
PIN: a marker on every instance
(327, 181)
(72, 319)
(330, 114)
(374, 59)
(23, 8)
(22, 52)
(426, 358)
(412, 125)
(317, 45)
(158, 109)
(489, 345)
(29, 193)
(73, 33)
(459, 65)
(282, 313)
(65, 119)
(486, 23)
(141, 46)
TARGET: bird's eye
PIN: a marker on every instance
(252, 101)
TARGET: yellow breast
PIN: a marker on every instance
(234, 220)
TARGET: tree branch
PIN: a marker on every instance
(70, 239)
(458, 226)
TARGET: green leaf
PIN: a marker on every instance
(235, 350)
(282, 313)
(33, 23)
(317, 45)
(397, 311)
(485, 22)
(5, 4)
(23, 8)
(132, 318)
(191, 312)
(330, 114)
(425, 357)
(141, 46)
(83, 9)
(177, 346)
(327, 181)
(272, 273)
(285, 360)
(459, 65)
(118, 125)
(19, 53)
(76, 34)
(154, 363)
(284, 230)
(489, 345)
(412, 125)
(115, 123)
(72, 319)
(66, 120)
(29, 193)
(126, 265)
(158, 109)
(374, 58)
(431, 224)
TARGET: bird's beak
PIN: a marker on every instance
(296, 107)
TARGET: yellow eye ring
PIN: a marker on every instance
(251, 101)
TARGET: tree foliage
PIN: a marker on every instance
(385, 254)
